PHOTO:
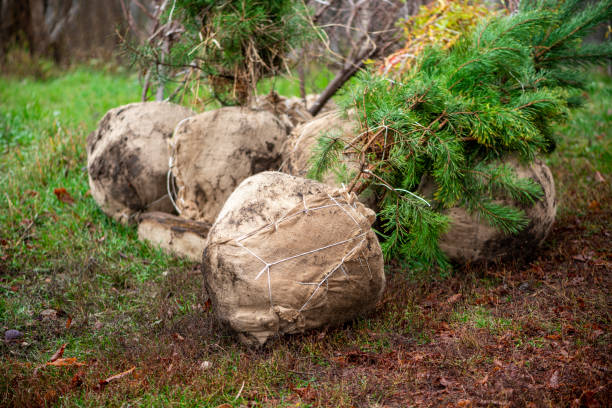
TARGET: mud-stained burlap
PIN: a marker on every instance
(470, 239)
(291, 110)
(176, 235)
(127, 158)
(298, 150)
(211, 153)
(288, 254)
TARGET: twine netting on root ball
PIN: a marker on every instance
(288, 254)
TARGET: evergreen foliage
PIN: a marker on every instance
(233, 43)
(457, 114)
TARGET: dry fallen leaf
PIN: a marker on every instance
(117, 376)
(464, 403)
(599, 178)
(63, 195)
(305, 393)
(453, 298)
(581, 258)
(417, 357)
(483, 381)
(596, 333)
(59, 353)
(445, 383)
(68, 322)
(65, 362)
(49, 313)
(594, 205)
(178, 337)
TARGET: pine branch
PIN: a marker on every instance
(459, 113)
(326, 154)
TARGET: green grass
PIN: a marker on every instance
(483, 318)
(289, 86)
(584, 147)
(31, 109)
(70, 258)
(127, 300)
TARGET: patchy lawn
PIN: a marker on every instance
(487, 335)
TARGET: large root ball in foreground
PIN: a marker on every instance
(127, 158)
(214, 151)
(470, 239)
(288, 254)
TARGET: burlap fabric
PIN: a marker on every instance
(470, 239)
(288, 254)
(295, 109)
(175, 235)
(211, 153)
(298, 150)
(127, 158)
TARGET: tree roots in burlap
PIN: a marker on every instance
(288, 254)
(470, 239)
(175, 235)
(127, 158)
(211, 153)
(298, 150)
(295, 109)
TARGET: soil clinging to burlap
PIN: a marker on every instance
(214, 151)
(288, 254)
(127, 158)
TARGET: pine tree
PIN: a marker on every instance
(458, 113)
(231, 43)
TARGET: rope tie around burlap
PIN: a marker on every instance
(339, 267)
(170, 180)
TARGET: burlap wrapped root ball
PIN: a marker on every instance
(292, 111)
(470, 239)
(287, 254)
(214, 151)
(175, 235)
(298, 151)
(127, 158)
(299, 148)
